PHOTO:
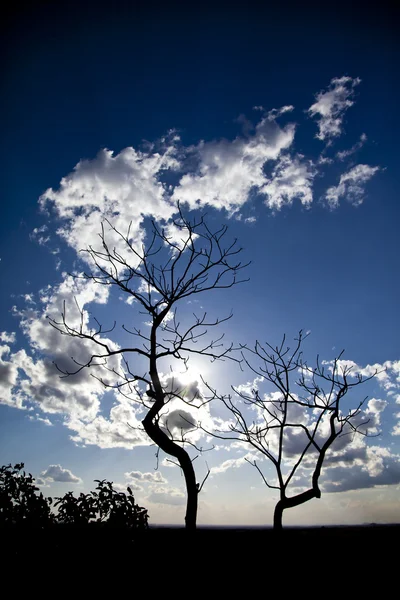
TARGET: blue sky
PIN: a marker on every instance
(182, 103)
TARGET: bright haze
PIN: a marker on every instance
(281, 125)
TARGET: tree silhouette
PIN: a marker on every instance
(297, 424)
(179, 262)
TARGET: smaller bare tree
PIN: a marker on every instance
(184, 259)
(298, 423)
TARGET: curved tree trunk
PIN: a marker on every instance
(284, 503)
(161, 439)
(191, 489)
(169, 447)
(278, 513)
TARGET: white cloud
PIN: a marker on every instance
(229, 170)
(41, 482)
(155, 477)
(351, 185)
(275, 113)
(123, 188)
(167, 495)
(122, 487)
(233, 463)
(58, 473)
(378, 467)
(291, 179)
(247, 388)
(40, 381)
(352, 464)
(34, 382)
(129, 186)
(36, 417)
(386, 374)
(184, 408)
(343, 154)
(9, 376)
(324, 160)
(168, 462)
(39, 235)
(7, 338)
(331, 105)
(121, 429)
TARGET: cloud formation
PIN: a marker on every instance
(41, 384)
(59, 474)
(228, 171)
(134, 184)
(6, 337)
(166, 495)
(130, 186)
(147, 477)
(233, 463)
(331, 105)
(291, 179)
(351, 186)
(124, 188)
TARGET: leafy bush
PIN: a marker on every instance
(105, 505)
(75, 511)
(19, 502)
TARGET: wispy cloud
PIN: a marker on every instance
(233, 463)
(343, 154)
(166, 495)
(147, 477)
(351, 186)
(37, 417)
(331, 105)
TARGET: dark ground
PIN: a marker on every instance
(339, 550)
(338, 563)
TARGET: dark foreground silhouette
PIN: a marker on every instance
(97, 544)
(104, 538)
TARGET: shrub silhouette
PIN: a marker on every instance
(19, 502)
(105, 505)
(75, 511)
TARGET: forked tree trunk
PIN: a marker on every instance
(284, 503)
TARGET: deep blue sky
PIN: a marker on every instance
(79, 79)
(76, 80)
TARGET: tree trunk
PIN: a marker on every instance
(278, 513)
(191, 489)
(169, 447)
(313, 492)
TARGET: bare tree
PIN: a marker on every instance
(179, 262)
(296, 425)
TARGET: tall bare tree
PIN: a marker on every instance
(297, 424)
(179, 262)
